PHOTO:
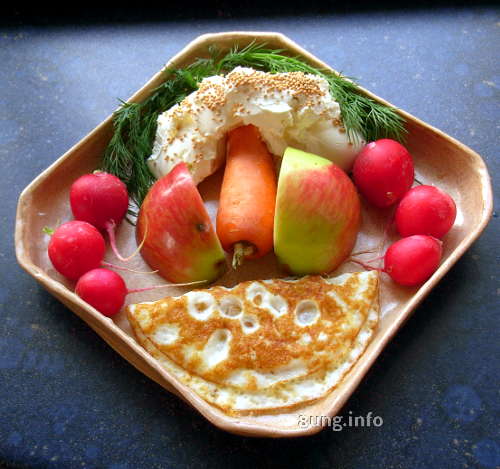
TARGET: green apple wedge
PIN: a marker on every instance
(318, 214)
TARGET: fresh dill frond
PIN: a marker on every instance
(135, 123)
(135, 128)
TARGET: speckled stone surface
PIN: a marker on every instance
(68, 400)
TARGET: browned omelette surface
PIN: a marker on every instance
(262, 345)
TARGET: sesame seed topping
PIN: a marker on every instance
(190, 130)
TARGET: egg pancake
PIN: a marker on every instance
(262, 346)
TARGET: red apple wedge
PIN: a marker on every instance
(317, 214)
(180, 241)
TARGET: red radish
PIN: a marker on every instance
(75, 248)
(412, 260)
(425, 210)
(105, 290)
(100, 199)
(383, 172)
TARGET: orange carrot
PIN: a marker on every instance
(248, 195)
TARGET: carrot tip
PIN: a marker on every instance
(241, 251)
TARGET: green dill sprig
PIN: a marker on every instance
(134, 124)
(134, 128)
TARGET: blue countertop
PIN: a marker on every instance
(68, 400)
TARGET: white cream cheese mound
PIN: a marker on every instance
(289, 109)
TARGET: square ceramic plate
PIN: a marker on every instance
(439, 160)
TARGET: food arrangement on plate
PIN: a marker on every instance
(265, 212)
(260, 346)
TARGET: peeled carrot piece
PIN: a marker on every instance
(245, 217)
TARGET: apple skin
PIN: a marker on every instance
(318, 214)
(181, 242)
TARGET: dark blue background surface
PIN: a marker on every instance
(68, 400)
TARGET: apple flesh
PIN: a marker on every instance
(318, 214)
(180, 242)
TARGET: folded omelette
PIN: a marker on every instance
(262, 346)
